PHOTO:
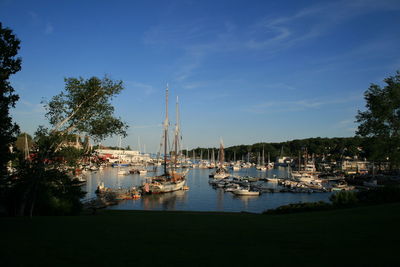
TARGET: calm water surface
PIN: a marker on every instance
(201, 196)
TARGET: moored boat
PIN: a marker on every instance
(170, 180)
(245, 192)
(221, 172)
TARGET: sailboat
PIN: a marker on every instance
(212, 162)
(262, 166)
(270, 164)
(170, 180)
(221, 171)
(236, 165)
(120, 172)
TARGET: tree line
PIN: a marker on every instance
(329, 148)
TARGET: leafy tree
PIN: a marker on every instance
(84, 107)
(9, 65)
(380, 123)
(43, 185)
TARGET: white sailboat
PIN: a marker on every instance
(263, 167)
(170, 180)
(221, 171)
(236, 165)
(120, 172)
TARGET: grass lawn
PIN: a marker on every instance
(357, 236)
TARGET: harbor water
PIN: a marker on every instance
(201, 196)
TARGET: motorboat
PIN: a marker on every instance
(245, 192)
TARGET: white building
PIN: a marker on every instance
(131, 156)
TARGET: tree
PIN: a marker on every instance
(380, 123)
(9, 65)
(43, 184)
(84, 108)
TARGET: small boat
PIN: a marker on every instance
(142, 172)
(236, 167)
(273, 179)
(116, 165)
(245, 192)
(122, 172)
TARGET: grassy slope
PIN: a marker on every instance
(362, 236)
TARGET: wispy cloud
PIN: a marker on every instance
(27, 108)
(280, 86)
(201, 39)
(142, 87)
(146, 126)
(297, 105)
(347, 125)
(33, 15)
(40, 22)
(309, 23)
(49, 29)
(168, 33)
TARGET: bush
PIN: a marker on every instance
(379, 195)
(300, 207)
(344, 199)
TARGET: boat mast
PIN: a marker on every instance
(166, 130)
(26, 148)
(176, 133)
(263, 159)
(221, 154)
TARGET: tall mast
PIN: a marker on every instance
(176, 132)
(166, 130)
(221, 153)
(26, 148)
(263, 159)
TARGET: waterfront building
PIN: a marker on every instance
(131, 156)
(354, 166)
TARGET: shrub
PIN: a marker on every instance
(300, 207)
(379, 195)
(344, 199)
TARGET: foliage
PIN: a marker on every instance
(344, 199)
(381, 121)
(379, 195)
(36, 189)
(9, 65)
(300, 207)
(43, 185)
(84, 107)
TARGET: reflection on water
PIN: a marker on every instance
(201, 196)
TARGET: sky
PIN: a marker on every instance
(244, 71)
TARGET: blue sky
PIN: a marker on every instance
(246, 71)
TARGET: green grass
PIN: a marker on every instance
(358, 236)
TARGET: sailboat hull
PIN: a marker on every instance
(165, 187)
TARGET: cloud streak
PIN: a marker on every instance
(49, 29)
(145, 88)
(297, 105)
